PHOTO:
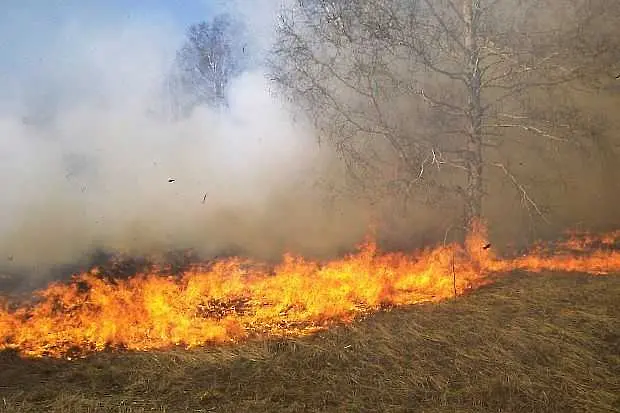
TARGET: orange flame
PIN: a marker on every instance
(235, 299)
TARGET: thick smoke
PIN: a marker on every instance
(88, 162)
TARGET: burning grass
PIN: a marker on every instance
(234, 300)
(548, 343)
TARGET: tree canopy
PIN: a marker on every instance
(433, 100)
(213, 53)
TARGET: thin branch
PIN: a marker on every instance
(529, 129)
(523, 117)
(455, 110)
(426, 61)
(456, 11)
(445, 27)
(527, 200)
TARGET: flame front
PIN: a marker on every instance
(235, 299)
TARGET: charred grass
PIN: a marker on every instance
(527, 343)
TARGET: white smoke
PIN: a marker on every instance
(86, 159)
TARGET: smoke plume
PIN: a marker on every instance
(89, 162)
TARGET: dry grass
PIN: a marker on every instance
(525, 344)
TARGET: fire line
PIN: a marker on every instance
(237, 299)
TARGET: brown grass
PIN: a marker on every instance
(525, 344)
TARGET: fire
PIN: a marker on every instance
(236, 299)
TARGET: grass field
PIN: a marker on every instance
(528, 343)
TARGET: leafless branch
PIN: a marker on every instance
(527, 200)
(449, 32)
(529, 129)
(455, 110)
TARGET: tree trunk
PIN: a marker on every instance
(220, 94)
(473, 191)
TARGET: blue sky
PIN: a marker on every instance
(29, 27)
(63, 47)
(43, 42)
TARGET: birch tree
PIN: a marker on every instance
(426, 98)
(214, 52)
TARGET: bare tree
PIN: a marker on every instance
(431, 96)
(213, 53)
